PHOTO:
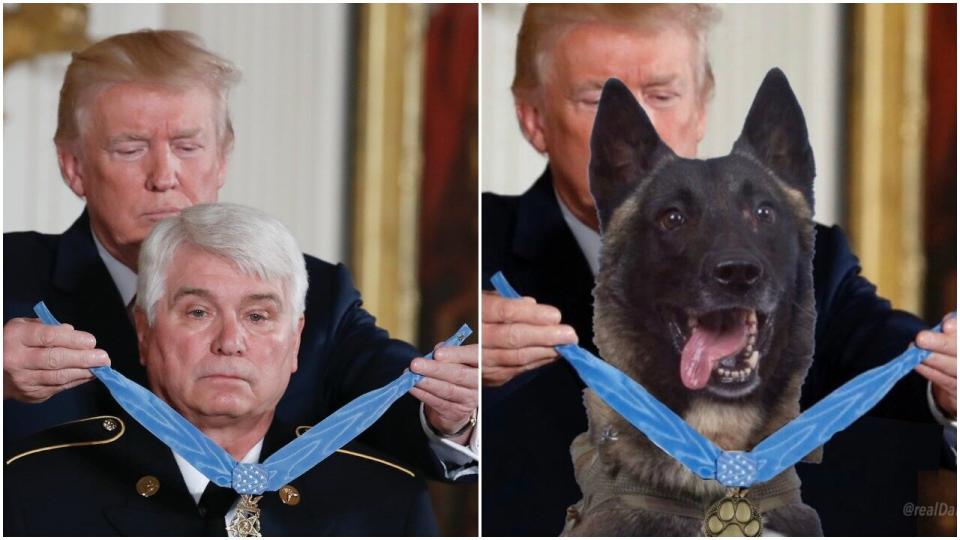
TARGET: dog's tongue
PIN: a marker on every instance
(705, 348)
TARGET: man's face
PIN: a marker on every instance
(144, 153)
(222, 347)
(557, 119)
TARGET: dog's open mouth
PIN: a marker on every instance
(718, 348)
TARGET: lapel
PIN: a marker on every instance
(558, 271)
(553, 270)
(88, 299)
(279, 519)
(172, 510)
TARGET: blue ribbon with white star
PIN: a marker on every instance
(294, 459)
(782, 449)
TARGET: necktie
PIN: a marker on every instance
(213, 507)
(130, 308)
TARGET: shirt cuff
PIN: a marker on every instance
(935, 409)
(457, 460)
(949, 426)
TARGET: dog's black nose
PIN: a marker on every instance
(737, 272)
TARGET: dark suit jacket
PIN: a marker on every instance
(343, 354)
(91, 490)
(531, 421)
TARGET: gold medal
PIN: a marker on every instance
(733, 515)
(246, 522)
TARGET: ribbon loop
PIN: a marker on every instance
(736, 469)
(249, 479)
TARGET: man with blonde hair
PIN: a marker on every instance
(143, 132)
(546, 242)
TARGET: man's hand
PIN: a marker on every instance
(449, 389)
(40, 361)
(519, 335)
(940, 368)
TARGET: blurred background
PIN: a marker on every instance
(878, 86)
(356, 125)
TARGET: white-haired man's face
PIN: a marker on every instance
(144, 153)
(222, 346)
(557, 118)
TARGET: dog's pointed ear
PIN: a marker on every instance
(624, 147)
(776, 133)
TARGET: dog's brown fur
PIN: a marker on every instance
(738, 424)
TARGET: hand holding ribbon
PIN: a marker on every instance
(780, 450)
(280, 468)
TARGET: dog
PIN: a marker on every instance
(704, 296)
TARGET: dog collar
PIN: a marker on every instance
(733, 469)
(251, 479)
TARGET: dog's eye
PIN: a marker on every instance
(671, 219)
(765, 214)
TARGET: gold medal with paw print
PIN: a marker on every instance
(733, 515)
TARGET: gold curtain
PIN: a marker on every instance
(388, 163)
(886, 132)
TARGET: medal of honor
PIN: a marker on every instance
(733, 515)
(246, 522)
(251, 480)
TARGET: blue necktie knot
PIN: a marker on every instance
(249, 478)
(736, 469)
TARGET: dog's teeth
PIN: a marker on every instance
(691, 322)
(752, 318)
(753, 359)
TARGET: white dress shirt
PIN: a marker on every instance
(196, 482)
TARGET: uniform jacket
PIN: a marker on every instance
(343, 354)
(82, 478)
(531, 421)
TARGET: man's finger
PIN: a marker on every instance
(57, 358)
(937, 377)
(949, 323)
(517, 335)
(457, 374)
(497, 309)
(498, 376)
(937, 342)
(449, 392)
(518, 357)
(42, 335)
(443, 407)
(64, 377)
(943, 363)
(467, 355)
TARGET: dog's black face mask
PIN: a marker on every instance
(704, 256)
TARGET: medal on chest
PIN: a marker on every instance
(733, 515)
(246, 522)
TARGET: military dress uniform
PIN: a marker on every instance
(107, 475)
(343, 353)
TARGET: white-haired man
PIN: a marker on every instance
(143, 132)
(220, 310)
(546, 242)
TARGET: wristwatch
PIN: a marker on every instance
(470, 423)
